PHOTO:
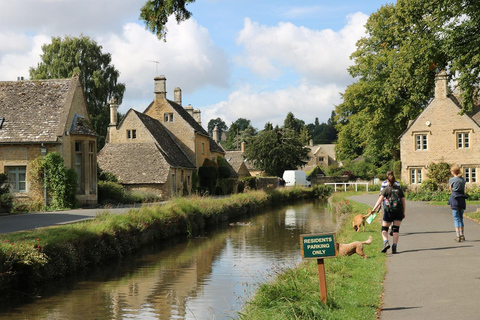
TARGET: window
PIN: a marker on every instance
(17, 178)
(79, 165)
(463, 140)
(129, 134)
(415, 176)
(134, 134)
(421, 142)
(203, 147)
(320, 159)
(168, 117)
(93, 172)
(470, 175)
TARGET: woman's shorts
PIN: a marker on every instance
(392, 216)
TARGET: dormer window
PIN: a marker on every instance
(168, 117)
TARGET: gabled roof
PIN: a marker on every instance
(328, 149)
(235, 159)
(37, 111)
(193, 123)
(144, 162)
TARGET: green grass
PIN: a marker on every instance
(354, 285)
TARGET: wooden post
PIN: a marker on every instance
(322, 280)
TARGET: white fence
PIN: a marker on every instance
(344, 184)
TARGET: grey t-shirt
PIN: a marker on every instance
(457, 184)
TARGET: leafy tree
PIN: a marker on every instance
(439, 173)
(293, 123)
(219, 123)
(239, 131)
(155, 14)
(71, 55)
(275, 150)
(395, 64)
(323, 133)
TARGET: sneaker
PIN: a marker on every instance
(394, 248)
(462, 238)
(386, 246)
(458, 239)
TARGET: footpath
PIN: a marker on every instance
(431, 276)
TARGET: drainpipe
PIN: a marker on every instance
(43, 151)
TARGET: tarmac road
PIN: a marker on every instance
(28, 221)
(432, 276)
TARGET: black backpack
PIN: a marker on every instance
(393, 200)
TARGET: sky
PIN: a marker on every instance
(232, 59)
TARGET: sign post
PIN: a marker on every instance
(319, 246)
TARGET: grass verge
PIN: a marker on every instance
(31, 257)
(354, 285)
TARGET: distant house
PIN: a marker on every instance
(321, 155)
(158, 150)
(441, 134)
(237, 161)
(47, 115)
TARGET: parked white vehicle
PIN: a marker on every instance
(296, 178)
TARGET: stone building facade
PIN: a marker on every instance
(158, 150)
(48, 116)
(441, 134)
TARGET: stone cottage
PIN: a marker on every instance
(441, 134)
(38, 117)
(144, 156)
(321, 155)
(157, 151)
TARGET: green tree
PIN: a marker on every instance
(239, 131)
(396, 63)
(155, 14)
(275, 150)
(219, 123)
(71, 55)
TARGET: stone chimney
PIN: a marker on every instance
(215, 134)
(189, 109)
(113, 112)
(310, 142)
(177, 94)
(160, 86)
(441, 85)
(242, 146)
(197, 115)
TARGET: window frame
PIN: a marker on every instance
(79, 167)
(470, 174)
(416, 175)
(421, 141)
(17, 171)
(462, 140)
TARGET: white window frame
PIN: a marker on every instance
(470, 174)
(463, 140)
(16, 172)
(416, 176)
(421, 141)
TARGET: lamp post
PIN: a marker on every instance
(43, 151)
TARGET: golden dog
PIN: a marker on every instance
(347, 249)
(359, 221)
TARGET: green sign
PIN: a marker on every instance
(318, 246)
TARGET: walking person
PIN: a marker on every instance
(383, 186)
(457, 201)
(393, 210)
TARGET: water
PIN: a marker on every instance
(206, 278)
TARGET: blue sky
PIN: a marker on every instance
(234, 58)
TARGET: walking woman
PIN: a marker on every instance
(393, 211)
(457, 201)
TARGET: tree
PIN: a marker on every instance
(323, 133)
(239, 131)
(396, 63)
(275, 150)
(64, 57)
(219, 123)
(155, 14)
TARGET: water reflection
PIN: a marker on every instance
(205, 278)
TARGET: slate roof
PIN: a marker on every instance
(235, 159)
(144, 162)
(194, 124)
(37, 111)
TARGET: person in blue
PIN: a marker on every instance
(457, 201)
(392, 214)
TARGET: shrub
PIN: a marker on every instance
(208, 178)
(439, 173)
(6, 197)
(106, 176)
(428, 185)
(110, 192)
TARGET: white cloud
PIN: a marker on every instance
(189, 59)
(306, 102)
(317, 55)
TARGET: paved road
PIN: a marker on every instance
(28, 221)
(432, 276)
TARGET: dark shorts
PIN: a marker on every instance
(391, 216)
